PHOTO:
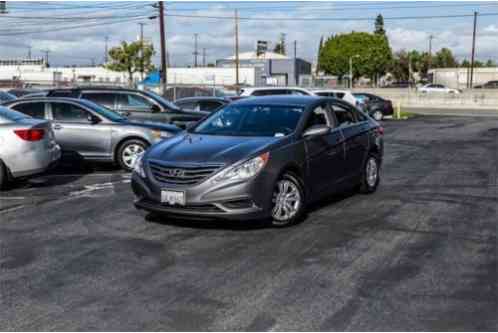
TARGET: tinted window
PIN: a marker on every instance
(325, 94)
(188, 105)
(252, 120)
(209, 105)
(69, 113)
(269, 92)
(345, 116)
(35, 110)
(135, 102)
(297, 92)
(105, 99)
(318, 117)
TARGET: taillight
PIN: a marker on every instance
(380, 130)
(30, 134)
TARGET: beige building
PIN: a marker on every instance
(458, 78)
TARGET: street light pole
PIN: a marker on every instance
(164, 69)
(237, 86)
(473, 52)
(141, 50)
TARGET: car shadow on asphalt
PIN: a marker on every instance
(213, 224)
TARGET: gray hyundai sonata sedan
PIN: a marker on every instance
(261, 158)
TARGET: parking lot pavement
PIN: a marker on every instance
(420, 254)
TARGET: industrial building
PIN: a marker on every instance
(459, 78)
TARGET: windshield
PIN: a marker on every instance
(103, 111)
(161, 100)
(252, 120)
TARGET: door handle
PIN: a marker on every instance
(57, 126)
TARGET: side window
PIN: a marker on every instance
(345, 116)
(318, 116)
(339, 95)
(209, 105)
(104, 99)
(133, 101)
(325, 94)
(296, 92)
(187, 105)
(66, 112)
(35, 110)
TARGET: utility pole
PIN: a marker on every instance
(196, 53)
(473, 52)
(29, 52)
(106, 51)
(203, 57)
(141, 50)
(296, 76)
(431, 37)
(46, 56)
(164, 69)
(237, 87)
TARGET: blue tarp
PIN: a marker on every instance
(152, 79)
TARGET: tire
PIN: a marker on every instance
(370, 176)
(3, 175)
(377, 115)
(127, 152)
(285, 210)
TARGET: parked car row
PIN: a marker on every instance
(258, 157)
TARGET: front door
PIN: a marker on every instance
(324, 153)
(77, 134)
(138, 107)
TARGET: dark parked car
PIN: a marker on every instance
(202, 103)
(487, 85)
(134, 104)
(261, 157)
(92, 131)
(376, 106)
(6, 97)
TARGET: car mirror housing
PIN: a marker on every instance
(316, 130)
(155, 109)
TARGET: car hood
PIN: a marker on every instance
(153, 126)
(197, 148)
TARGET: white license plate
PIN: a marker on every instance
(173, 197)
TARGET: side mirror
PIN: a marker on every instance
(155, 109)
(316, 130)
(93, 119)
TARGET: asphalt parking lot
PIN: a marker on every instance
(420, 254)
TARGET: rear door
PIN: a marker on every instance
(355, 130)
(139, 107)
(106, 99)
(77, 134)
(325, 154)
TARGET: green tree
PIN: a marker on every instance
(280, 47)
(127, 58)
(371, 52)
(379, 25)
(490, 63)
(444, 59)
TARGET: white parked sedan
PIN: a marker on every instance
(437, 88)
(27, 146)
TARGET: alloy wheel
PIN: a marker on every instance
(286, 201)
(372, 172)
(130, 154)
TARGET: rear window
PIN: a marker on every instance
(8, 115)
(35, 110)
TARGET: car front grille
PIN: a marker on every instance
(182, 175)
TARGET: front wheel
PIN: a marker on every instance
(371, 175)
(377, 115)
(3, 175)
(128, 153)
(287, 201)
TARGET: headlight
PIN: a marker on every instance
(138, 168)
(246, 170)
(161, 135)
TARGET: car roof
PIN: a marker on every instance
(45, 99)
(331, 90)
(204, 98)
(296, 100)
(273, 88)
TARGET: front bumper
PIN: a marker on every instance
(247, 200)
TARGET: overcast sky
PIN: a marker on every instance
(68, 28)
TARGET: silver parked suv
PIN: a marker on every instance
(94, 132)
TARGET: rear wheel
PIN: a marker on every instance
(287, 201)
(3, 175)
(377, 115)
(371, 175)
(128, 153)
